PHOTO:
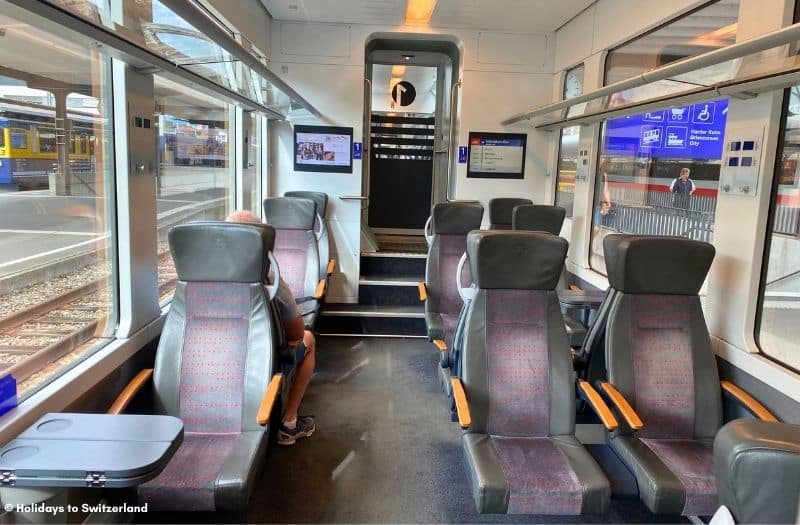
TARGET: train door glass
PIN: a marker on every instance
(57, 271)
(251, 162)
(658, 174)
(567, 166)
(195, 176)
(403, 126)
(778, 331)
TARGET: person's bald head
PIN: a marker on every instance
(243, 216)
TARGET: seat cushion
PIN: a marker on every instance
(449, 323)
(550, 475)
(675, 476)
(208, 472)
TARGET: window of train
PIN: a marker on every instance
(568, 145)
(778, 331)
(658, 174)
(195, 177)
(251, 161)
(639, 186)
(57, 300)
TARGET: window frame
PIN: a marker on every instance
(561, 135)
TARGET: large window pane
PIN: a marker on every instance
(779, 331)
(57, 300)
(195, 171)
(658, 174)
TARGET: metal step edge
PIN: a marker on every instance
(398, 255)
(373, 336)
(384, 314)
(387, 281)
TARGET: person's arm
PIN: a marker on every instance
(691, 191)
(294, 329)
(672, 186)
(606, 191)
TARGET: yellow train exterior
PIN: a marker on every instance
(29, 151)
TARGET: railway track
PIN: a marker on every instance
(35, 336)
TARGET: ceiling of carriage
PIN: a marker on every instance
(488, 15)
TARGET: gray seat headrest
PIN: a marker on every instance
(221, 251)
(538, 218)
(456, 218)
(319, 198)
(657, 265)
(501, 209)
(516, 259)
(290, 213)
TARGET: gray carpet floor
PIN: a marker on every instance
(385, 450)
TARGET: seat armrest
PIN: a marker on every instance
(320, 291)
(462, 408)
(423, 291)
(749, 402)
(268, 401)
(618, 400)
(129, 392)
(331, 267)
(441, 345)
(575, 288)
(599, 406)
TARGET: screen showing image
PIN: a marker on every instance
(323, 148)
(496, 155)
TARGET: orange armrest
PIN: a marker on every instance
(441, 345)
(575, 288)
(268, 401)
(618, 400)
(129, 392)
(331, 266)
(423, 292)
(320, 291)
(598, 405)
(464, 418)
(749, 402)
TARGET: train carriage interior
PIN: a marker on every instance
(400, 261)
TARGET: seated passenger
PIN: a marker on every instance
(293, 427)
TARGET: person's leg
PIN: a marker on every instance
(302, 378)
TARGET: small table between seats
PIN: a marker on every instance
(586, 300)
(85, 450)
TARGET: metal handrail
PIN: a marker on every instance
(452, 138)
(753, 45)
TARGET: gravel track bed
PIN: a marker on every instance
(31, 341)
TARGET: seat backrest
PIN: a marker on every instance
(501, 210)
(320, 226)
(538, 218)
(217, 349)
(658, 350)
(451, 222)
(516, 361)
(295, 243)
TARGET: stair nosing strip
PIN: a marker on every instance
(398, 255)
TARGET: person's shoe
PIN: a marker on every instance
(304, 428)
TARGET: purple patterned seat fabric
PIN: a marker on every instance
(451, 248)
(210, 395)
(539, 476)
(290, 251)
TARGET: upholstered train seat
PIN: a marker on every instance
(550, 219)
(516, 396)
(296, 251)
(326, 263)
(501, 210)
(214, 367)
(662, 372)
(450, 224)
(757, 469)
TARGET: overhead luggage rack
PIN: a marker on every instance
(741, 70)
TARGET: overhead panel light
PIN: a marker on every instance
(419, 12)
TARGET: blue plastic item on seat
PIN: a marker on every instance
(8, 393)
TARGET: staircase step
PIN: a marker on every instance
(372, 320)
(393, 264)
(389, 291)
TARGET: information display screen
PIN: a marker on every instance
(323, 148)
(496, 155)
(687, 132)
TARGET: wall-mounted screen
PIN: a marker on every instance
(323, 148)
(696, 131)
(496, 155)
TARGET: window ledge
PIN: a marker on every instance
(76, 382)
